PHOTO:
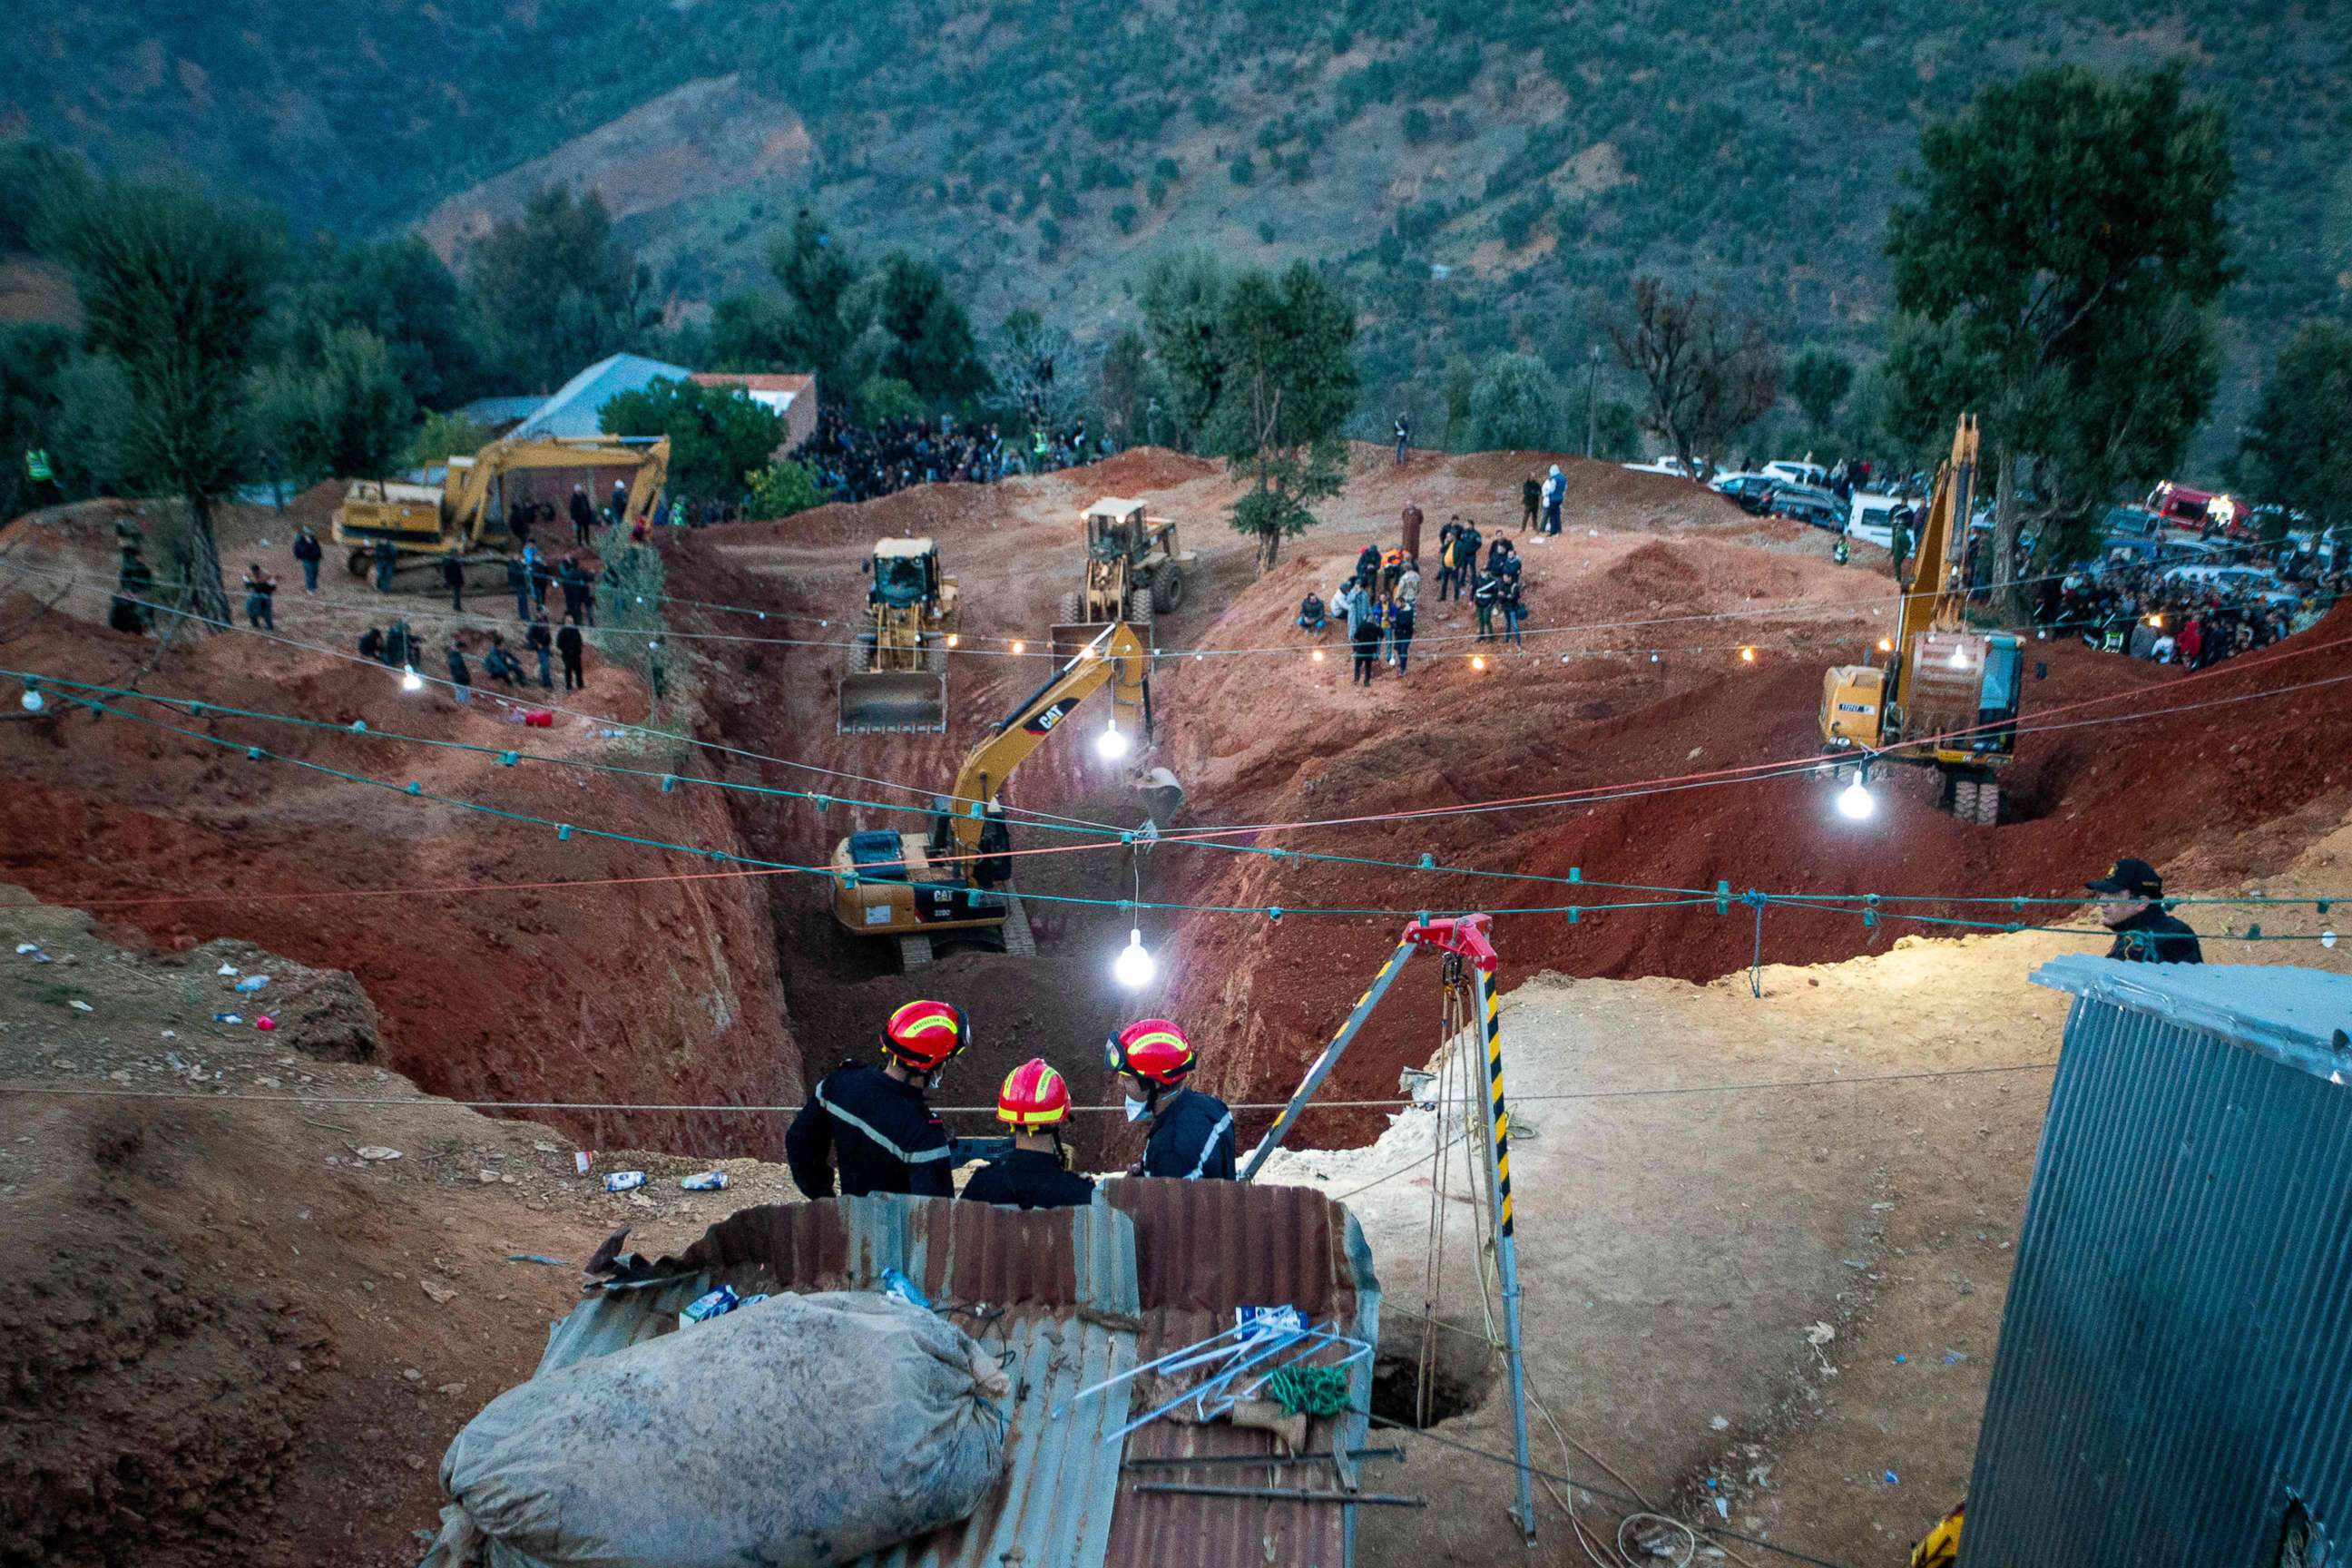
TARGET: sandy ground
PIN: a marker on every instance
(1682, 1224)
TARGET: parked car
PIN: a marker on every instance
(2237, 579)
(1751, 492)
(1871, 518)
(1799, 473)
(1669, 464)
(1802, 505)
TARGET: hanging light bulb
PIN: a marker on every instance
(1855, 803)
(1748, 656)
(1886, 645)
(32, 701)
(1477, 661)
(1020, 646)
(1134, 968)
(953, 639)
(1959, 659)
(410, 680)
(1318, 656)
(1110, 745)
(2156, 620)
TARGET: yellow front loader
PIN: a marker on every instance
(897, 679)
(466, 512)
(1134, 573)
(1945, 696)
(916, 887)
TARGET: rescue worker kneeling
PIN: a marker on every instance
(1035, 1102)
(1192, 1133)
(875, 1121)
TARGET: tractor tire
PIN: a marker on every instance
(1138, 609)
(1067, 612)
(357, 562)
(1987, 803)
(1964, 799)
(1168, 587)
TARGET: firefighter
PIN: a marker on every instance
(874, 1122)
(1191, 1135)
(1034, 1103)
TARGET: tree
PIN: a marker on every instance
(37, 181)
(1183, 301)
(931, 344)
(344, 413)
(780, 489)
(1818, 380)
(399, 290)
(1036, 370)
(1707, 379)
(172, 291)
(1460, 382)
(33, 359)
(2054, 273)
(1617, 431)
(1289, 384)
(2298, 450)
(558, 289)
(824, 309)
(445, 436)
(1126, 387)
(717, 436)
(1513, 407)
(882, 399)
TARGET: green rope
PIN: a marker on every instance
(1308, 1390)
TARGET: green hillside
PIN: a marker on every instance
(1483, 175)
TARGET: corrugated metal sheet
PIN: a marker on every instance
(1053, 1290)
(2175, 1366)
(1204, 1248)
(1075, 1296)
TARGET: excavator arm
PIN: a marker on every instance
(468, 490)
(1939, 590)
(1116, 658)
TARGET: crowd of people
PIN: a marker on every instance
(2139, 612)
(858, 462)
(1378, 603)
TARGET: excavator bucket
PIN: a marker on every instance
(892, 702)
(1070, 637)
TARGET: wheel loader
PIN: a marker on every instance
(1134, 573)
(897, 679)
(948, 883)
(1947, 697)
(466, 512)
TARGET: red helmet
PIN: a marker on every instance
(1154, 1050)
(922, 1035)
(1034, 1096)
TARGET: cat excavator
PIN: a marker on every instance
(947, 883)
(1947, 697)
(466, 510)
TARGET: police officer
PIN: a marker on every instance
(1192, 1133)
(1035, 1102)
(873, 1121)
(2130, 906)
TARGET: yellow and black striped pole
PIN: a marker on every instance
(1487, 1006)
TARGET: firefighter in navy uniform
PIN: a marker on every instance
(1192, 1136)
(2131, 905)
(874, 1122)
(1034, 1103)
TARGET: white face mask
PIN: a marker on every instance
(1137, 1110)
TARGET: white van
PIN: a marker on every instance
(1798, 473)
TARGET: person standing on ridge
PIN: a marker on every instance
(452, 577)
(309, 553)
(875, 1122)
(568, 644)
(1403, 440)
(584, 515)
(1192, 1136)
(1555, 491)
(1530, 502)
(1035, 1102)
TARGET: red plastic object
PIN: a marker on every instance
(265, 1022)
(1465, 934)
(540, 719)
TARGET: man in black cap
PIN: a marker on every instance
(2130, 905)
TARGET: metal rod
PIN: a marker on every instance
(1379, 1499)
(1328, 1060)
(1497, 1147)
(1309, 1457)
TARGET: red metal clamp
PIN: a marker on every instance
(1462, 934)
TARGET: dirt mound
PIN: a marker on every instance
(1657, 572)
(1141, 468)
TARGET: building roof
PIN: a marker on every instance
(1069, 1297)
(752, 381)
(573, 410)
(503, 410)
(2295, 1017)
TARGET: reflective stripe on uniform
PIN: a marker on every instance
(889, 1147)
(1209, 1146)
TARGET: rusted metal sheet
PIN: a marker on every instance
(1071, 1297)
(1203, 1248)
(1051, 1291)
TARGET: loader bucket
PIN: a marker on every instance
(1071, 637)
(895, 701)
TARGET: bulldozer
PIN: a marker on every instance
(897, 681)
(467, 511)
(1947, 697)
(946, 883)
(1134, 573)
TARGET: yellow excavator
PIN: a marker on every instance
(919, 888)
(1134, 573)
(897, 679)
(1947, 697)
(467, 511)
